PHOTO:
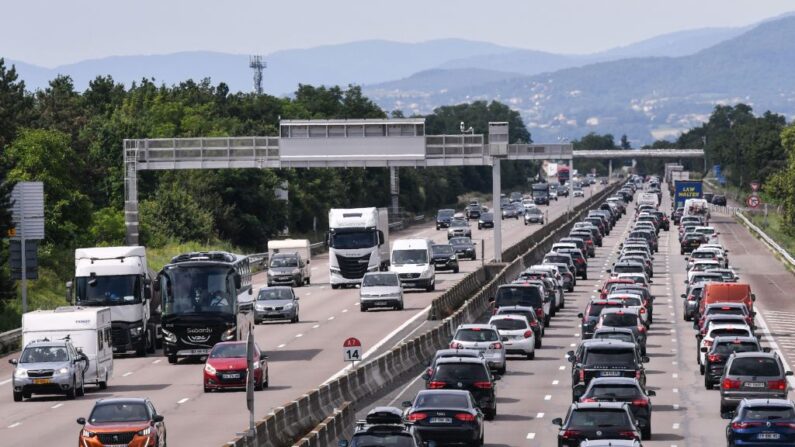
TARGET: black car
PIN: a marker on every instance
(691, 241)
(467, 374)
(464, 247)
(596, 420)
(677, 215)
(473, 211)
(649, 236)
(580, 263)
(533, 215)
(623, 389)
(444, 257)
(443, 218)
(448, 416)
(383, 426)
(486, 220)
(607, 358)
(723, 347)
(590, 317)
(719, 200)
(665, 224)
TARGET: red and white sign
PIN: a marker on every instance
(754, 186)
(352, 350)
(753, 201)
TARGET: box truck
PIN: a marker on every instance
(89, 330)
(119, 278)
(358, 241)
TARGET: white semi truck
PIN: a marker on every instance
(358, 241)
(119, 278)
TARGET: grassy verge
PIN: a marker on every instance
(774, 227)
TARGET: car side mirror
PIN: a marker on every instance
(788, 373)
(727, 415)
(687, 258)
(704, 349)
(297, 298)
(753, 297)
(491, 299)
(645, 359)
(651, 393)
(580, 315)
(685, 281)
(683, 295)
(13, 361)
(608, 270)
(505, 338)
(308, 261)
(342, 443)
(558, 422)
(158, 418)
(765, 349)
(81, 421)
(406, 404)
(426, 377)
(69, 292)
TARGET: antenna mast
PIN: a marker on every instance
(257, 64)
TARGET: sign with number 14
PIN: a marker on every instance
(352, 350)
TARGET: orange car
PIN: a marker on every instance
(131, 422)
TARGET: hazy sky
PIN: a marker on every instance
(54, 32)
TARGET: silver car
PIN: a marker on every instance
(484, 338)
(459, 228)
(752, 375)
(289, 269)
(49, 367)
(380, 289)
(276, 303)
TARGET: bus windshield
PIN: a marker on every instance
(188, 290)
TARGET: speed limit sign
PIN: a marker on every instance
(352, 350)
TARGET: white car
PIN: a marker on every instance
(720, 330)
(516, 333)
(638, 278)
(710, 233)
(484, 338)
(380, 289)
(703, 265)
(578, 192)
(631, 301)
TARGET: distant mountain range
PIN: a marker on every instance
(652, 88)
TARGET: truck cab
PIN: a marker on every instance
(358, 241)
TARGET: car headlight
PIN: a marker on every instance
(63, 370)
(169, 336)
(334, 269)
(260, 307)
(145, 432)
(86, 434)
(296, 271)
(257, 365)
(289, 306)
(209, 368)
(452, 258)
(228, 335)
(136, 331)
(21, 372)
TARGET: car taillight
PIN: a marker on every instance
(456, 345)
(641, 328)
(730, 384)
(534, 323)
(714, 358)
(627, 434)
(707, 343)
(779, 385)
(413, 417)
(640, 402)
(435, 385)
(528, 334)
(484, 385)
(740, 425)
(784, 424)
(637, 374)
(582, 374)
(540, 312)
(497, 345)
(587, 399)
(465, 417)
(568, 434)
(643, 310)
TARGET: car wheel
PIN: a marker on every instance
(455, 270)
(103, 384)
(585, 276)
(531, 356)
(501, 372)
(266, 381)
(335, 286)
(258, 385)
(399, 306)
(431, 287)
(707, 383)
(537, 342)
(17, 396)
(701, 369)
(362, 308)
(645, 433)
(474, 257)
(206, 390)
(489, 415)
(172, 359)
(82, 390)
(570, 289)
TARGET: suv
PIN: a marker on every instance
(722, 348)
(608, 358)
(752, 375)
(761, 422)
(623, 389)
(383, 426)
(484, 338)
(625, 317)
(49, 367)
(443, 218)
(606, 420)
(468, 374)
(444, 257)
(459, 228)
(123, 421)
(591, 315)
(288, 268)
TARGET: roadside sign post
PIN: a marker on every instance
(755, 186)
(28, 218)
(352, 350)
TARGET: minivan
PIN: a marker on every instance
(411, 260)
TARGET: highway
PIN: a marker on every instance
(302, 356)
(533, 392)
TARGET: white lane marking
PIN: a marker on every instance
(405, 388)
(344, 310)
(183, 400)
(128, 373)
(573, 345)
(539, 415)
(157, 361)
(57, 406)
(676, 407)
(773, 345)
(555, 382)
(675, 375)
(563, 367)
(299, 335)
(313, 269)
(331, 318)
(675, 426)
(676, 390)
(5, 381)
(381, 342)
(15, 424)
(531, 436)
(281, 346)
(315, 326)
(308, 293)
(548, 397)
(322, 287)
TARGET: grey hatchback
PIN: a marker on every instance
(276, 303)
(752, 375)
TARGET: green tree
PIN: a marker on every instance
(173, 214)
(16, 106)
(7, 288)
(781, 185)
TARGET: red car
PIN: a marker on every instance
(226, 367)
(605, 289)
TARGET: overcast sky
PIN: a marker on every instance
(54, 32)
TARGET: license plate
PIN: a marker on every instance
(610, 373)
(193, 352)
(769, 436)
(441, 420)
(42, 381)
(274, 312)
(380, 303)
(231, 376)
(754, 384)
(441, 264)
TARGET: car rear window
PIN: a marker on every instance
(441, 400)
(554, 259)
(754, 366)
(632, 268)
(730, 332)
(390, 438)
(599, 418)
(726, 311)
(620, 336)
(513, 324)
(768, 413)
(614, 391)
(730, 347)
(609, 357)
(519, 296)
(476, 335)
(455, 372)
(529, 315)
(619, 320)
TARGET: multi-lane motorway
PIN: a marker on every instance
(302, 356)
(533, 392)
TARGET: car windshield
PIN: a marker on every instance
(486, 217)
(274, 294)
(735, 346)
(284, 261)
(599, 418)
(519, 296)
(556, 259)
(459, 224)
(108, 290)
(443, 250)
(609, 357)
(229, 351)
(386, 439)
(460, 241)
(768, 413)
(353, 240)
(476, 334)
(509, 324)
(596, 308)
(613, 391)
(380, 280)
(754, 366)
(628, 300)
(417, 256)
(620, 336)
(119, 412)
(442, 400)
(534, 211)
(454, 372)
(445, 214)
(44, 354)
(619, 320)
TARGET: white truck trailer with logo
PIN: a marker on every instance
(119, 278)
(358, 241)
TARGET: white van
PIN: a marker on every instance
(411, 260)
(88, 328)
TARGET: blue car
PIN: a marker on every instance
(761, 422)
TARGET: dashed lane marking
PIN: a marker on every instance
(315, 326)
(344, 310)
(531, 436)
(57, 406)
(675, 426)
(157, 361)
(128, 373)
(548, 397)
(299, 335)
(539, 415)
(5, 381)
(281, 346)
(331, 318)
(15, 424)
(555, 382)
(183, 400)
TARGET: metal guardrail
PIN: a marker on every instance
(9, 341)
(767, 239)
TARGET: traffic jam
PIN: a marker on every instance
(612, 387)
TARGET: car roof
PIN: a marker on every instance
(615, 381)
(41, 343)
(770, 355)
(623, 330)
(457, 352)
(729, 326)
(122, 400)
(729, 338)
(610, 443)
(445, 391)
(607, 343)
(598, 405)
(521, 308)
(453, 360)
(481, 326)
(784, 403)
